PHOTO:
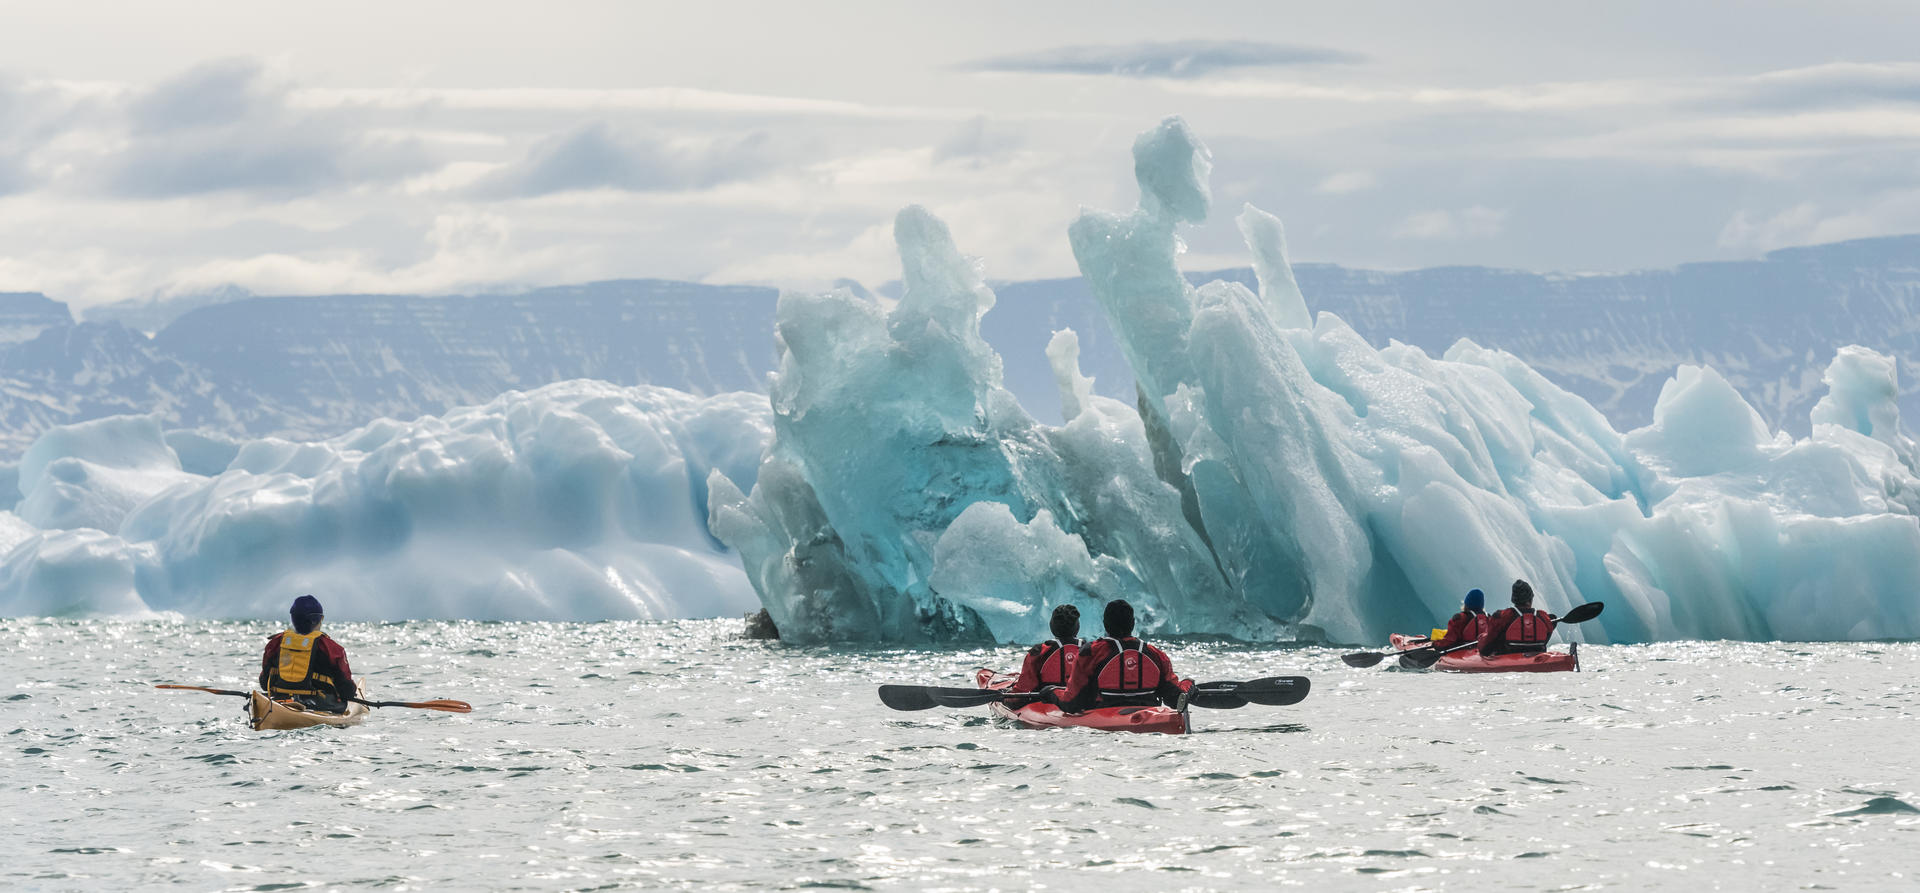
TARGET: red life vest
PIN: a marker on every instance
(1474, 631)
(1127, 671)
(1528, 631)
(1055, 661)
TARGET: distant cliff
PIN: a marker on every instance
(310, 366)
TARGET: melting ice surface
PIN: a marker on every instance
(1280, 475)
(577, 501)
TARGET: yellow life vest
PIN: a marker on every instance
(295, 675)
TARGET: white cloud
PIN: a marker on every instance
(1476, 222)
(1347, 182)
(1806, 224)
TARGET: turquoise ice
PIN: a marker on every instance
(1282, 477)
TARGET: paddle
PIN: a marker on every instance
(1422, 658)
(1273, 691)
(927, 697)
(1277, 691)
(444, 706)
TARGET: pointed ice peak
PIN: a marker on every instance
(1267, 239)
(941, 284)
(1076, 389)
(1172, 166)
(1863, 390)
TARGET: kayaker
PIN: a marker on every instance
(1518, 629)
(1050, 663)
(306, 664)
(1120, 670)
(1470, 625)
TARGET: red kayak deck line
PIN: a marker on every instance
(1470, 661)
(1042, 715)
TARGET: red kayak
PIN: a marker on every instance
(1470, 661)
(1042, 715)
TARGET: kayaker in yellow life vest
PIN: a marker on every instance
(307, 665)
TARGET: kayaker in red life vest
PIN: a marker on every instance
(306, 664)
(1470, 625)
(1050, 663)
(1120, 670)
(1518, 629)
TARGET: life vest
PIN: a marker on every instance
(295, 674)
(1055, 661)
(1127, 671)
(1528, 631)
(1474, 632)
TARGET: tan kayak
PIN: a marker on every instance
(268, 714)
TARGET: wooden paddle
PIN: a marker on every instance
(444, 706)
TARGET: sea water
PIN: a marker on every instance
(678, 755)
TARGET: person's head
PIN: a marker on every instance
(1119, 618)
(1065, 622)
(306, 614)
(1522, 594)
(1476, 602)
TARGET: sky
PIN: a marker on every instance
(159, 150)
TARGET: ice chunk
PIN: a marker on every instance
(74, 573)
(1863, 390)
(93, 473)
(1267, 239)
(578, 501)
(1701, 425)
(204, 453)
(890, 428)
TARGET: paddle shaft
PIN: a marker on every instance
(1274, 691)
(445, 706)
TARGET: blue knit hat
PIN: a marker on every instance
(305, 606)
(1476, 601)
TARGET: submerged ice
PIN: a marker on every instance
(1280, 476)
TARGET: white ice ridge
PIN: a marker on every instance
(1281, 474)
(576, 501)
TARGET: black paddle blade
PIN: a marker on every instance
(927, 697)
(1273, 691)
(1276, 691)
(1419, 658)
(1583, 613)
(1215, 698)
(1363, 659)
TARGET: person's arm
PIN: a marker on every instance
(1079, 693)
(267, 660)
(1497, 632)
(343, 682)
(1029, 671)
(1171, 686)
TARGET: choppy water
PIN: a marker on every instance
(672, 755)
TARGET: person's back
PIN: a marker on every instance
(1518, 629)
(1120, 669)
(1470, 625)
(1050, 663)
(305, 664)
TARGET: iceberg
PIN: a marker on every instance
(577, 501)
(1276, 477)
(1281, 477)
(907, 496)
